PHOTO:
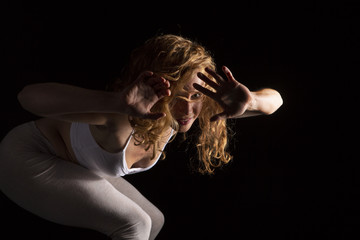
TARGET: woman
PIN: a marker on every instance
(67, 166)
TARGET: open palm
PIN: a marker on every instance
(144, 93)
(232, 96)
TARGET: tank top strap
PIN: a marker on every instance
(128, 141)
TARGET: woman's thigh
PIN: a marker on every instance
(157, 217)
(63, 192)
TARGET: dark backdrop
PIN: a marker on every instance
(294, 173)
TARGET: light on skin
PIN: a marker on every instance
(187, 111)
(235, 98)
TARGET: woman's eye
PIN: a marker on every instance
(196, 96)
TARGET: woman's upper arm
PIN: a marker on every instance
(70, 103)
(106, 119)
(91, 118)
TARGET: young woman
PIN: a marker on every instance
(67, 166)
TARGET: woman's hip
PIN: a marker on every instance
(25, 155)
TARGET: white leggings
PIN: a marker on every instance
(32, 176)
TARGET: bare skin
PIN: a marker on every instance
(107, 112)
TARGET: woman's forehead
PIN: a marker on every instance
(188, 87)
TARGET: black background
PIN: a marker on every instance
(294, 173)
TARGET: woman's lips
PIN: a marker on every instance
(184, 121)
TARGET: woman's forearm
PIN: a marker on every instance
(54, 99)
(265, 101)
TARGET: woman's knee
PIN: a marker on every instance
(158, 221)
(137, 226)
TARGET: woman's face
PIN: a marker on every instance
(188, 104)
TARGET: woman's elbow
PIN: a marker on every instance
(29, 98)
(277, 102)
(24, 96)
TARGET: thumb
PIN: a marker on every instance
(218, 117)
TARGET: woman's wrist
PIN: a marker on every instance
(253, 102)
(117, 102)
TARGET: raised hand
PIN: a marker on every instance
(144, 93)
(233, 97)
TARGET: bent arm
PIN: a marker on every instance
(265, 101)
(67, 102)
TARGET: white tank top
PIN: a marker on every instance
(90, 155)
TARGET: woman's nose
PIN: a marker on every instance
(186, 107)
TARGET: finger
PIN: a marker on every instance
(162, 89)
(208, 81)
(161, 85)
(144, 77)
(155, 80)
(218, 117)
(228, 74)
(163, 93)
(146, 74)
(218, 78)
(205, 91)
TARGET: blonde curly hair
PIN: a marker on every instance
(176, 58)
